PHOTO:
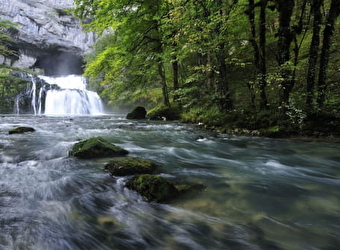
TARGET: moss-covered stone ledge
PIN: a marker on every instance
(130, 166)
(95, 148)
(21, 130)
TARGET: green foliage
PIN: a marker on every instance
(203, 54)
(165, 113)
(10, 87)
(5, 39)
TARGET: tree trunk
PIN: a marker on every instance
(313, 53)
(285, 8)
(165, 92)
(263, 66)
(324, 58)
(175, 72)
(225, 100)
(251, 16)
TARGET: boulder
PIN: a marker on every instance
(138, 113)
(165, 113)
(130, 166)
(153, 187)
(21, 130)
(95, 148)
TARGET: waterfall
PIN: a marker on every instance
(72, 97)
(33, 94)
(27, 101)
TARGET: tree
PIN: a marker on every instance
(285, 9)
(137, 52)
(328, 33)
(260, 47)
(313, 52)
(218, 55)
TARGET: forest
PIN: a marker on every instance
(266, 64)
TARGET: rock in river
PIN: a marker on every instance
(95, 148)
(153, 187)
(130, 166)
(21, 130)
(137, 113)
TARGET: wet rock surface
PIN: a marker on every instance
(95, 148)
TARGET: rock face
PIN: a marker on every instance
(48, 37)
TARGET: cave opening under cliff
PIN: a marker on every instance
(60, 64)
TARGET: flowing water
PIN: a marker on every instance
(260, 193)
(71, 97)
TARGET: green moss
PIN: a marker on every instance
(130, 166)
(96, 147)
(165, 113)
(153, 187)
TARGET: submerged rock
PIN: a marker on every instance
(21, 130)
(130, 166)
(189, 188)
(138, 113)
(96, 147)
(153, 187)
(159, 189)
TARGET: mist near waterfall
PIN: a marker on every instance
(60, 64)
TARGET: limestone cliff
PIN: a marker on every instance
(48, 37)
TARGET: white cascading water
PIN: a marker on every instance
(72, 98)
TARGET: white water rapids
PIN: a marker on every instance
(72, 98)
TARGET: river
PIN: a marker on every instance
(260, 193)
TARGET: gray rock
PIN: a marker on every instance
(46, 30)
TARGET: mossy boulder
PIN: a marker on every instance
(21, 130)
(153, 187)
(138, 113)
(95, 148)
(165, 113)
(130, 166)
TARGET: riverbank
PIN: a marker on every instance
(322, 126)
